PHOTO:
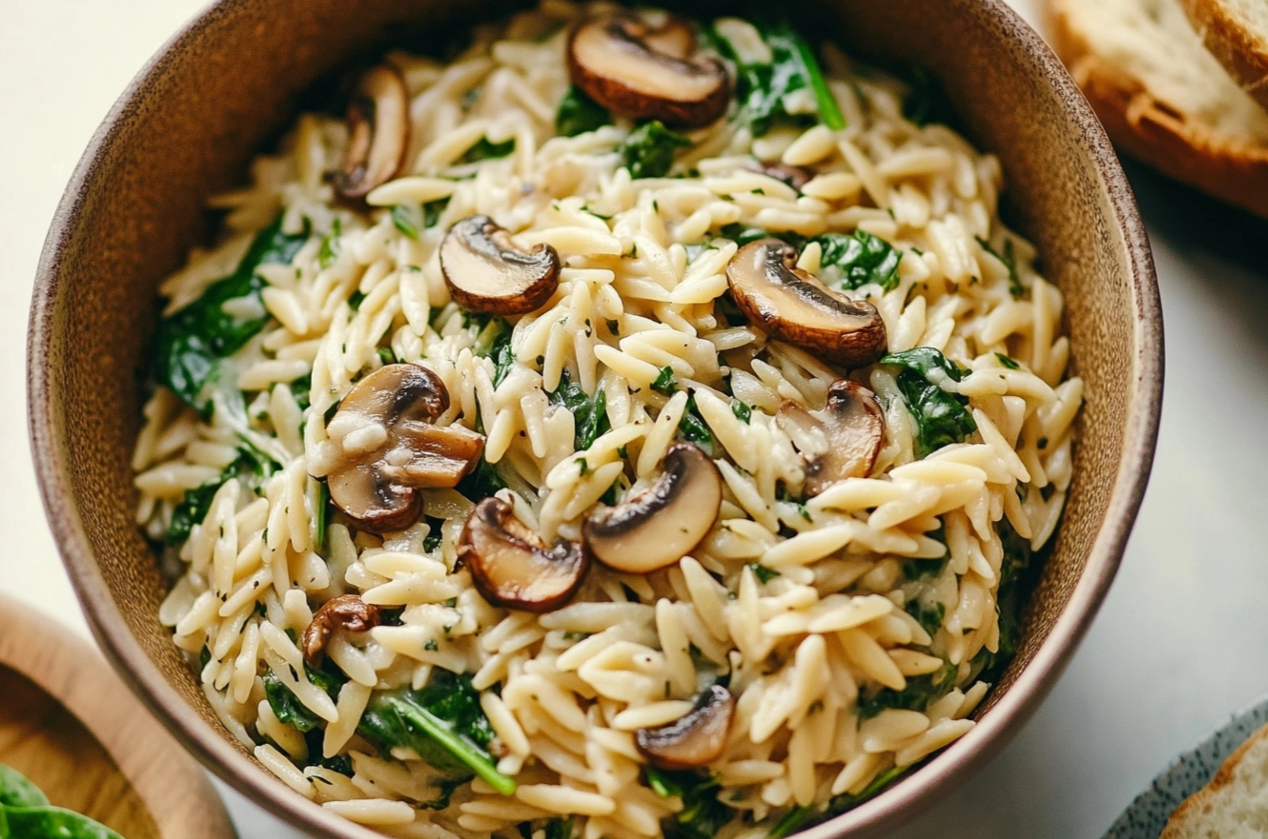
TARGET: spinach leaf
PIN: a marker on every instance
(1017, 561)
(693, 429)
(314, 739)
(287, 707)
(1009, 260)
(764, 575)
(485, 150)
(579, 113)
(742, 412)
(941, 417)
(559, 828)
(191, 343)
(801, 818)
(251, 464)
(329, 250)
(666, 382)
(412, 219)
(1007, 362)
(590, 418)
(919, 694)
(495, 342)
(482, 482)
(16, 790)
(762, 87)
(861, 258)
(702, 814)
(649, 149)
(53, 823)
(929, 617)
(742, 235)
(443, 723)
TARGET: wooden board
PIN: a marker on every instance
(70, 724)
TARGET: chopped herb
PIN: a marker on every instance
(192, 342)
(666, 382)
(408, 218)
(612, 493)
(433, 210)
(1007, 362)
(941, 417)
(386, 356)
(1009, 261)
(649, 149)
(434, 536)
(861, 258)
(485, 150)
(583, 466)
(614, 326)
(1042, 443)
(579, 113)
(742, 412)
(764, 575)
(443, 723)
(431, 645)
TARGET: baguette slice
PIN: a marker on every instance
(1162, 97)
(1234, 805)
(1236, 32)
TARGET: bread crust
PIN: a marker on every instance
(1192, 807)
(1155, 133)
(1242, 51)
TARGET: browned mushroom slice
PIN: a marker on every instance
(348, 612)
(512, 566)
(839, 442)
(486, 273)
(662, 523)
(378, 132)
(388, 448)
(795, 176)
(793, 306)
(647, 72)
(695, 739)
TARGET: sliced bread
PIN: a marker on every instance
(1236, 32)
(1234, 805)
(1163, 97)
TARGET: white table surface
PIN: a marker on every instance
(1179, 642)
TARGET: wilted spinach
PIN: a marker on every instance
(251, 464)
(941, 417)
(649, 150)
(702, 814)
(486, 150)
(192, 342)
(693, 429)
(443, 723)
(919, 694)
(590, 418)
(861, 258)
(579, 113)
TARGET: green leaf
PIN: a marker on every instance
(941, 417)
(287, 707)
(666, 382)
(495, 343)
(579, 113)
(764, 575)
(1007, 362)
(251, 464)
(590, 419)
(919, 694)
(702, 814)
(559, 828)
(928, 616)
(408, 218)
(861, 258)
(53, 823)
(649, 149)
(191, 343)
(1009, 261)
(742, 412)
(829, 111)
(482, 482)
(329, 251)
(16, 790)
(443, 723)
(485, 150)
(693, 429)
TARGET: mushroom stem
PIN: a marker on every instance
(378, 132)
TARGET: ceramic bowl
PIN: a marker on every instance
(69, 723)
(191, 121)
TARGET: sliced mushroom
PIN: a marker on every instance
(795, 176)
(348, 612)
(486, 273)
(645, 71)
(387, 448)
(378, 132)
(793, 306)
(512, 566)
(663, 522)
(839, 442)
(696, 739)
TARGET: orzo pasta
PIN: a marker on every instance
(629, 427)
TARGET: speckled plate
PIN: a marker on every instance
(1188, 773)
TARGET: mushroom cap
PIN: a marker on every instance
(642, 71)
(487, 273)
(389, 448)
(663, 522)
(378, 132)
(347, 611)
(512, 566)
(852, 428)
(793, 306)
(695, 739)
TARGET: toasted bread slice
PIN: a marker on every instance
(1236, 32)
(1234, 805)
(1163, 97)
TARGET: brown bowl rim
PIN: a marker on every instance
(900, 802)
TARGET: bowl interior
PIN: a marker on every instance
(196, 115)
